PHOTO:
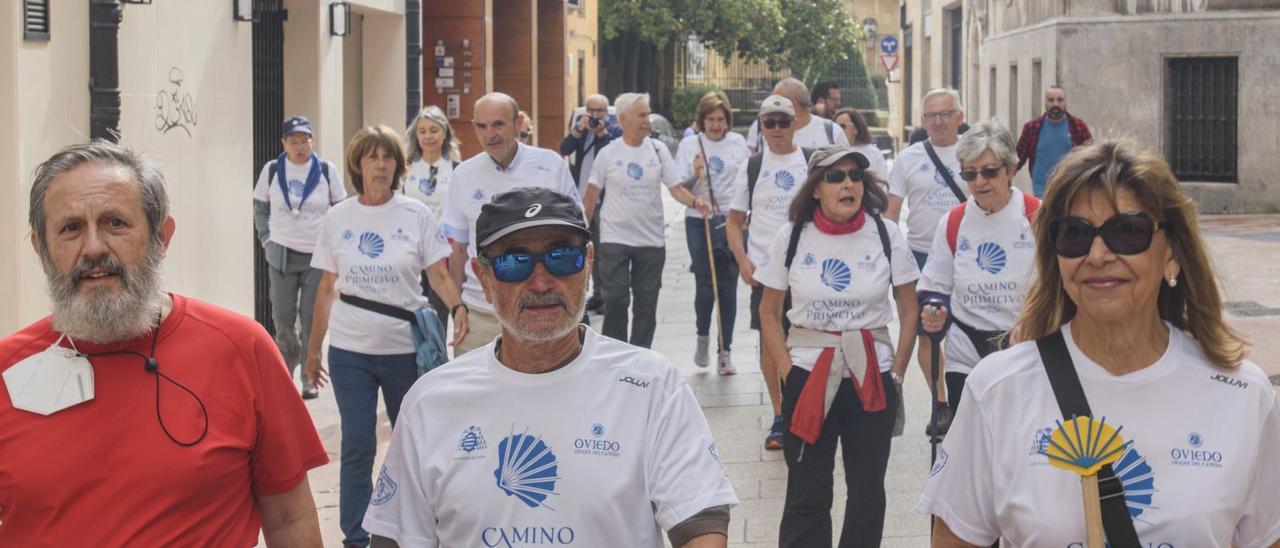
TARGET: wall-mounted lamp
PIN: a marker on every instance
(339, 19)
(242, 10)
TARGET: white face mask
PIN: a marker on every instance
(50, 381)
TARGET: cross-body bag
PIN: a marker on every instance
(942, 170)
(428, 334)
(1065, 382)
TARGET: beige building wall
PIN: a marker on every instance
(1114, 68)
(186, 84)
(582, 54)
(930, 41)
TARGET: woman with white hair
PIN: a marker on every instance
(433, 153)
(981, 264)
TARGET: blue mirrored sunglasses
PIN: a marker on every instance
(517, 266)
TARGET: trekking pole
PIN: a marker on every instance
(935, 347)
(711, 258)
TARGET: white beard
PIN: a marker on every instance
(99, 317)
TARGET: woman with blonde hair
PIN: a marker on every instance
(372, 251)
(433, 153)
(1124, 326)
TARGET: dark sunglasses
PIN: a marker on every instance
(834, 175)
(770, 124)
(987, 173)
(517, 266)
(1127, 234)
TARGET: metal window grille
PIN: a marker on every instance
(1201, 110)
(35, 20)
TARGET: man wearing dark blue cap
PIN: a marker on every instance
(591, 441)
(293, 193)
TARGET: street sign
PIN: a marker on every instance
(889, 61)
(889, 45)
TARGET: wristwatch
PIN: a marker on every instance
(897, 377)
(453, 312)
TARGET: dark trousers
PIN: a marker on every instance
(955, 387)
(864, 442)
(632, 278)
(726, 277)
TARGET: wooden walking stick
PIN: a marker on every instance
(711, 257)
(1083, 446)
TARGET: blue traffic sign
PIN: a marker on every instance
(889, 44)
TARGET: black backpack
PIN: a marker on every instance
(797, 228)
(753, 173)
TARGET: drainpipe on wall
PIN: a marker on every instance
(104, 69)
(413, 54)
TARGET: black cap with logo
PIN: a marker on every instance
(527, 207)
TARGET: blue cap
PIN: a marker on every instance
(297, 124)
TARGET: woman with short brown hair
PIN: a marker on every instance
(1127, 310)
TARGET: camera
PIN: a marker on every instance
(593, 121)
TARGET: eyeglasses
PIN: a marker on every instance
(987, 173)
(526, 135)
(837, 175)
(1127, 234)
(517, 266)
(774, 123)
(928, 116)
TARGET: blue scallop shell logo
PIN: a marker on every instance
(384, 489)
(784, 179)
(526, 469)
(295, 189)
(717, 165)
(479, 195)
(1138, 480)
(835, 274)
(424, 186)
(991, 258)
(370, 245)
(635, 171)
(938, 180)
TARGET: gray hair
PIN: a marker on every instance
(155, 200)
(432, 113)
(624, 101)
(984, 136)
(953, 94)
(794, 89)
(595, 96)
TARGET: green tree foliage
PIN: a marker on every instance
(684, 104)
(819, 37)
(750, 28)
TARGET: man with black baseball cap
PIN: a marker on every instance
(591, 440)
(293, 193)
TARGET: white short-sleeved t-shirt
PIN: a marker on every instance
(609, 450)
(780, 177)
(876, 158)
(987, 278)
(724, 159)
(839, 282)
(378, 253)
(1200, 471)
(633, 179)
(916, 179)
(298, 232)
(418, 184)
(814, 134)
(478, 180)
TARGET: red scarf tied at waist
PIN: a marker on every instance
(820, 388)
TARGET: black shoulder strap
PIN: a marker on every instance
(271, 173)
(324, 170)
(794, 242)
(753, 173)
(942, 169)
(375, 306)
(884, 243)
(807, 153)
(1072, 403)
(831, 132)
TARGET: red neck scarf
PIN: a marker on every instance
(828, 226)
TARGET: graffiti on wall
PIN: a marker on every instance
(175, 108)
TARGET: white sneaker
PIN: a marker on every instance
(725, 366)
(701, 356)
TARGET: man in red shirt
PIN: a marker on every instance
(135, 417)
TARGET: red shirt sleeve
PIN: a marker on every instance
(288, 444)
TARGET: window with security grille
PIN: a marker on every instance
(35, 20)
(1201, 114)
